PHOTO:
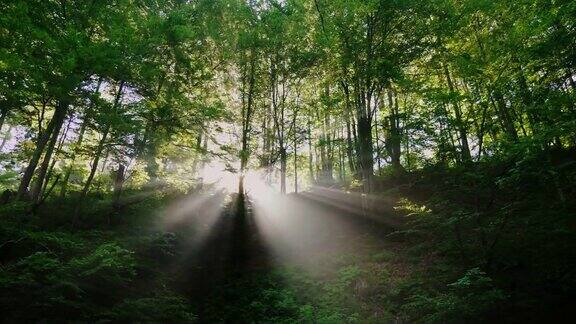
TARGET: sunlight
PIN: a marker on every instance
(257, 187)
(300, 232)
(216, 175)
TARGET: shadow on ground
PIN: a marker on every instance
(230, 269)
(241, 254)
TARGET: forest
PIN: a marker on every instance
(287, 161)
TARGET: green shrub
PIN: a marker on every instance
(160, 309)
(46, 286)
(109, 266)
(469, 298)
(39, 286)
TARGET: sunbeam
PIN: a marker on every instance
(195, 215)
(301, 232)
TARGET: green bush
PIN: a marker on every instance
(510, 215)
(109, 264)
(39, 286)
(46, 286)
(161, 309)
(468, 299)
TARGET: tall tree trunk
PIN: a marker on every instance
(3, 115)
(283, 164)
(6, 137)
(151, 150)
(295, 144)
(325, 164)
(60, 114)
(279, 106)
(364, 136)
(118, 184)
(377, 138)
(247, 102)
(355, 141)
(366, 154)
(327, 150)
(78, 144)
(317, 169)
(295, 165)
(505, 117)
(43, 138)
(534, 117)
(322, 144)
(481, 130)
(282, 148)
(105, 162)
(350, 146)
(98, 152)
(349, 142)
(54, 160)
(328, 167)
(264, 160)
(95, 161)
(341, 158)
(464, 147)
(310, 153)
(570, 74)
(395, 136)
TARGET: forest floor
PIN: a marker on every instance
(214, 257)
(207, 257)
(288, 258)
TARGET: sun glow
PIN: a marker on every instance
(257, 183)
(216, 175)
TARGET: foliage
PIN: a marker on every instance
(467, 299)
(493, 218)
(153, 309)
(62, 275)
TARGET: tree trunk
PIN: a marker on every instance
(98, 152)
(78, 144)
(349, 146)
(571, 79)
(43, 138)
(60, 114)
(295, 166)
(505, 117)
(395, 140)
(328, 158)
(464, 147)
(366, 153)
(326, 168)
(295, 144)
(3, 114)
(151, 149)
(54, 160)
(6, 137)
(118, 184)
(323, 176)
(377, 138)
(282, 168)
(246, 120)
(349, 142)
(310, 155)
(341, 163)
(95, 162)
(357, 167)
